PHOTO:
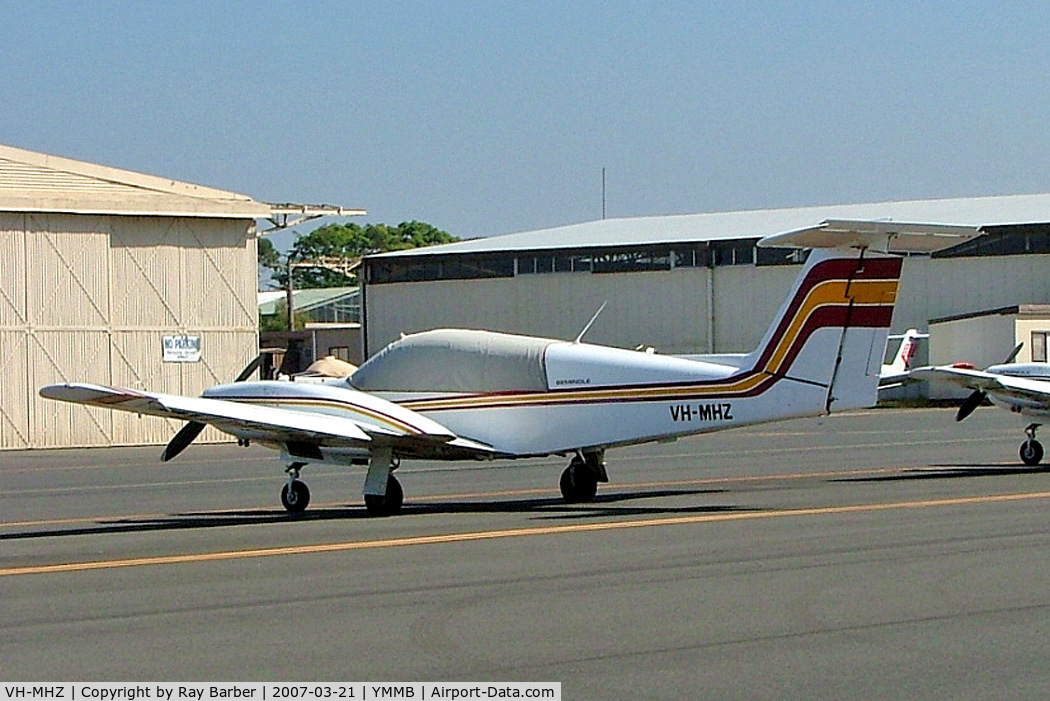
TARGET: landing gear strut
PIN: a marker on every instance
(579, 481)
(383, 493)
(1031, 450)
(295, 495)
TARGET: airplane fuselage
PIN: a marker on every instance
(1029, 404)
(593, 397)
(1034, 371)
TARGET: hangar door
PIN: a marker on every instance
(91, 298)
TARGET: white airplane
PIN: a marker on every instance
(895, 373)
(1023, 388)
(463, 394)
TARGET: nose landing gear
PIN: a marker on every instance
(1031, 451)
(295, 495)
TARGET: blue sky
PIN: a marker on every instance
(492, 117)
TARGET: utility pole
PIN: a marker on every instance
(603, 192)
(288, 295)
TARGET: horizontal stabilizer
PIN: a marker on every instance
(882, 236)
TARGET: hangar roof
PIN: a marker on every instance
(38, 182)
(692, 228)
(306, 299)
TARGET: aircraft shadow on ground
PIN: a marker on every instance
(952, 471)
(603, 506)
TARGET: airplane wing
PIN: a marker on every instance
(1006, 385)
(267, 423)
(893, 380)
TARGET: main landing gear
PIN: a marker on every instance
(383, 493)
(1031, 451)
(579, 481)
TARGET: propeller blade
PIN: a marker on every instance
(1013, 354)
(972, 402)
(182, 439)
(252, 366)
(192, 429)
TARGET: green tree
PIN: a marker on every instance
(269, 257)
(279, 321)
(352, 241)
(268, 254)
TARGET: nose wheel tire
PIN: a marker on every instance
(295, 496)
(386, 504)
(1031, 452)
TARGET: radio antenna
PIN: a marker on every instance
(587, 327)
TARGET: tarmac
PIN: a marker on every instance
(883, 554)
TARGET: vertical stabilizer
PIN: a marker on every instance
(831, 331)
(901, 363)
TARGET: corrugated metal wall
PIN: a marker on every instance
(89, 298)
(746, 298)
(940, 287)
(667, 310)
(14, 377)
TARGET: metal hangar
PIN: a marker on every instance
(124, 279)
(691, 283)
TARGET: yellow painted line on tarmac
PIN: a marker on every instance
(512, 533)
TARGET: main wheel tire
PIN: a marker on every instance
(578, 483)
(387, 504)
(1031, 452)
(295, 496)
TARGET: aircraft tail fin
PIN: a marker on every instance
(901, 362)
(826, 344)
(830, 335)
